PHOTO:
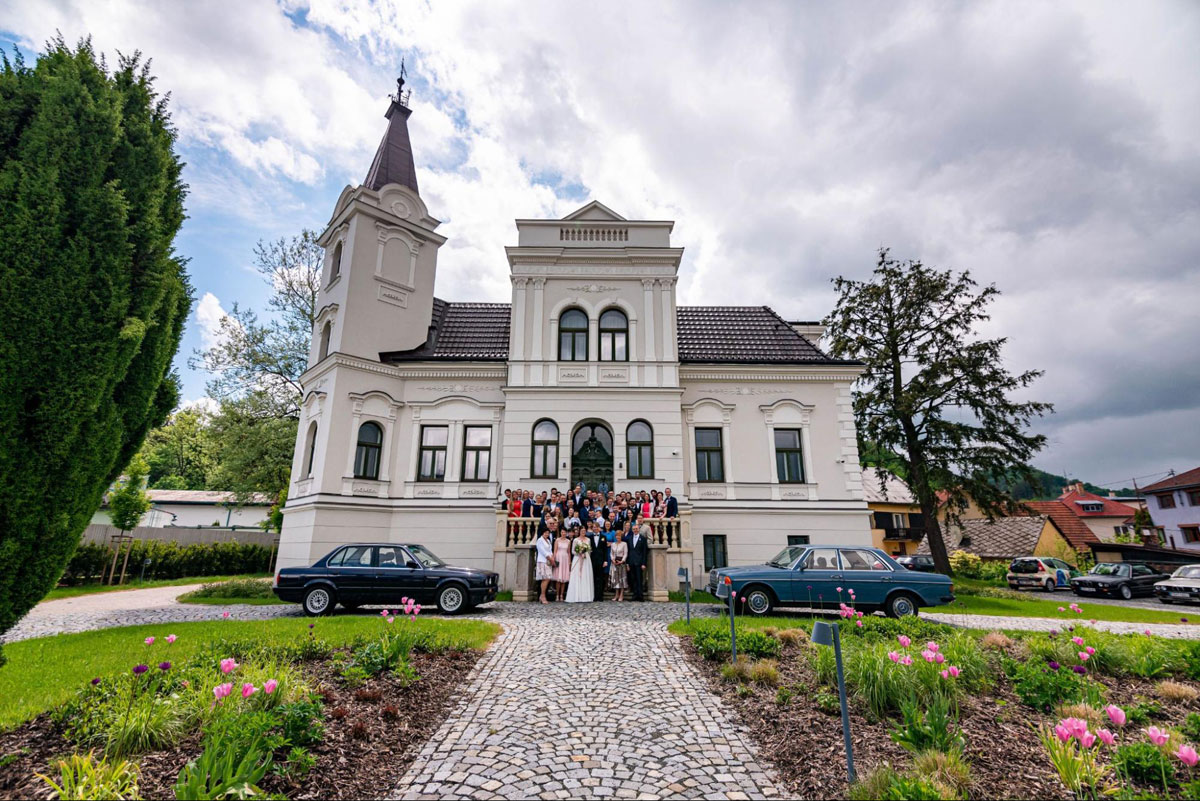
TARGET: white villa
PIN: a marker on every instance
(418, 412)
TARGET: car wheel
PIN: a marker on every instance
(319, 601)
(759, 601)
(1125, 591)
(452, 599)
(1049, 585)
(902, 604)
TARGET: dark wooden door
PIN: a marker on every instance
(592, 457)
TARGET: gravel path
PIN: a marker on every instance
(1172, 630)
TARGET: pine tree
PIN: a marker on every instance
(933, 392)
(92, 297)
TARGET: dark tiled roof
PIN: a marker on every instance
(1186, 479)
(393, 162)
(707, 335)
(1075, 530)
(462, 332)
(1003, 538)
(744, 335)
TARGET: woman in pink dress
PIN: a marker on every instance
(562, 565)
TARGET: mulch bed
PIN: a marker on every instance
(805, 744)
(372, 733)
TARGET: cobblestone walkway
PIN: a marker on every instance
(572, 706)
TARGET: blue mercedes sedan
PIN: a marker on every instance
(822, 576)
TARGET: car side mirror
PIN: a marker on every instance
(412, 565)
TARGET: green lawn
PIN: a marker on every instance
(698, 597)
(1048, 607)
(91, 589)
(44, 672)
(192, 598)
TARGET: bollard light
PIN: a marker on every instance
(829, 634)
(685, 579)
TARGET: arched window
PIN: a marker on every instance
(614, 336)
(366, 455)
(573, 336)
(310, 449)
(336, 269)
(326, 331)
(639, 449)
(544, 458)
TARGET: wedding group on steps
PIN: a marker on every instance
(581, 567)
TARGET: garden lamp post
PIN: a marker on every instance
(725, 590)
(828, 634)
(686, 581)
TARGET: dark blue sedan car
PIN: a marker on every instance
(822, 576)
(365, 574)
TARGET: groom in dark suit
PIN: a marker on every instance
(639, 560)
(599, 558)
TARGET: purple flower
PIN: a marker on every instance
(1053, 665)
(1080, 669)
(1053, 633)
(164, 666)
(95, 681)
(310, 625)
(139, 670)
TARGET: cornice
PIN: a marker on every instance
(816, 372)
(417, 370)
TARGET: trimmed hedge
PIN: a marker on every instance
(169, 560)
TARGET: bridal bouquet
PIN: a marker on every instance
(582, 547)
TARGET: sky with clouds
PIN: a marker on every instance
(1049, 148)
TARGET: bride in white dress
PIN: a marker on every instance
(581, 589)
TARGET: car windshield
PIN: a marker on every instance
(1110, 570)
(787, 557)
(1188, 572)
(425, 556)
(1024, 566)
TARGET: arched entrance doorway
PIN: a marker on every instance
(592, 456)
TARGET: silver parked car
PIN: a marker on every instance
(1183, 586)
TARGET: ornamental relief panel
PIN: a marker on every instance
(744, 391)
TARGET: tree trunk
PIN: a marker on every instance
(937, 545)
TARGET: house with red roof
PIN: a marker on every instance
(1104, 517)
(1174, 506)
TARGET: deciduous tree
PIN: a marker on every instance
(933, 391)
(92, 297)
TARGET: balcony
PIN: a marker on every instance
(903, 534)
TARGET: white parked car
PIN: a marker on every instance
(1183, 586)
(1040, 573)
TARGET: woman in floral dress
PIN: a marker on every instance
(562, 565)
(618, 571)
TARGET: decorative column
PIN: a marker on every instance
(667, 292)
(538, 334)
(593, 350)
(517, 356)
(648, 333)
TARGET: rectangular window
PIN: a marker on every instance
(572, 346)
(1193, 497)
(883, 520)
(1166, 501)
(788, 462)
(612, 346)
(1190, 533)
(431, 461)
(714, 552)
(477, 453)
(797, 539)
(709, 463)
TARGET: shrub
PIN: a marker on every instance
(1149, 657)
(298, 764)
(966, 564)
(82, 776)
(236, 588)
(948, 772)
(1143, 763)
(758, 645)
(738, 671)
(928, 729)
(911, 788)
(828, 703)
(1043, 686)
(783, 696)
(993, 570)
(712, 642)
(222, 772)
(1189, 661)
(1177, 693)
(301, 723)
(170, 560)
(1142, 712)
(1191, 727)
(884, 685)
(887, 628)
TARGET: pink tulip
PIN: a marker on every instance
(248, 690)
(384, 613)
(932, 646)
(149, 641)
(1115, 714)
(417, 609)
(929, 655)
(1084, 656)
(1078, 611)
(391, 620)
(1187, 755)
(939, 658)
(1061, 732)
(1087, 739)
(1092, 621)
(859, 624)
(945, 674)
(1076, 727)
(228, 665)
(906, 660)
(1078, 641)
(269, 686)
(225, 615)
(404, 600)
(171, 638)
(904, 641)
(222, 691)
(1106, 737)
(953, 671)
(1147, 633)
(892, 655)
(1156, 735)
(1062, 609)
(839, 589)
(1090, 650)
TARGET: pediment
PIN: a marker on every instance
(595, 211)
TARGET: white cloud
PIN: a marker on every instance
(208, 319)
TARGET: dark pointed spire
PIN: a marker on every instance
(393, 163)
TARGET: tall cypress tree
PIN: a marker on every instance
(92, 297)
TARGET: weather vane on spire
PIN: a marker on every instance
(402, 96)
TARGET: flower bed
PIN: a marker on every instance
(297, 720)
(938, 712)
